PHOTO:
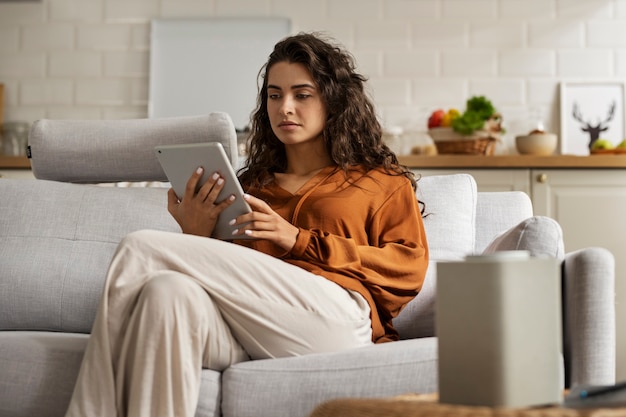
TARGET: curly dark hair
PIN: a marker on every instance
(353, 135)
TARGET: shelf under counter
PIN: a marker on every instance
(617, 161)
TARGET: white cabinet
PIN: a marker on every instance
(16, 174)
(488, 179)
(590, 206)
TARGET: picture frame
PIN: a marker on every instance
(591, 111)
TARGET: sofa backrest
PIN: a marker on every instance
(56, 242)
(57, 239)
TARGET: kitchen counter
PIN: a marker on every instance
(513, 161)
(14, 162)
(456, 161)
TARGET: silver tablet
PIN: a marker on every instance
(180, 161)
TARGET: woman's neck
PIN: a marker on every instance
(304, 160)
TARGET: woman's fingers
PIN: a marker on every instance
(256, 204)
(192, 183)
(221, 206)
(265, 223)
(172, 200)
(210, 190)
(197, 211)
(260, 213)
(207, 192)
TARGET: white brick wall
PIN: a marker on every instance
(74, 64)
(46, 92)
(76, 10)
(48, 37)
(474, 9)
(555, 34)
(90, 58)
(10, 38)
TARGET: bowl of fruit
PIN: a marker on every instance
(537, 142)
(475, 131)
(604, 146)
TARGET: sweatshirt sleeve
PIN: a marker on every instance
(391, 265)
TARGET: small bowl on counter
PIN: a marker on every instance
(536, 143)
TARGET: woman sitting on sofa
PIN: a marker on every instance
(337, 250)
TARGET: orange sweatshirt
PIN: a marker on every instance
(365, 234)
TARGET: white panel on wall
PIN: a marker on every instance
(203, 65)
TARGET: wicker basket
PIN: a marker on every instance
(448, 141)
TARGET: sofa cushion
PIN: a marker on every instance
(97, 151)
(450, 208)
(498, 211)
(56, 242)
(539, 235)
(294, 386)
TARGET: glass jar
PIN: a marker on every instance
(14, 138)
(392, 137)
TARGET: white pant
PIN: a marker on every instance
(175, 303)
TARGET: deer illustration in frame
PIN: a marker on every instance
(591, 111)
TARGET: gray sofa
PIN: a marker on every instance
(57, 237)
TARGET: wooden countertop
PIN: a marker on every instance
(14, 162)
(453, 161)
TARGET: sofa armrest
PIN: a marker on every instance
(589, 317)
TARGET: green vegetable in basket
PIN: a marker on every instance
(480, 105)
(468, 123)
(478, 110)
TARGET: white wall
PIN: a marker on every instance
(89, 58)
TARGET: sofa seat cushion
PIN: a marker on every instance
(56, 242)
(39, 370)
(294, 386)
